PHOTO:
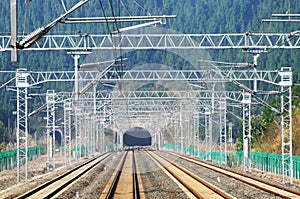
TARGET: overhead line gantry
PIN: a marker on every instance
(244, 41)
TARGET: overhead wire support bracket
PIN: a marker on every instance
(253, 95)
(285, 15)
(296, 18)
(281, 20)
(150, 20)
(117, 19)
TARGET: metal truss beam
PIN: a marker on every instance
(159, 95)
(145, 102)
(208, 75)
(271, 77)
(151, 105)
(175, 95)
(141, 102)
(161, 41)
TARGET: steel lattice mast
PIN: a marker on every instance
(286, 124)
(50, 101)
(223, 131)
(67, 131)
(22, 124)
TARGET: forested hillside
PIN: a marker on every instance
(193, 16)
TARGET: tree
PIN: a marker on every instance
(2, 146)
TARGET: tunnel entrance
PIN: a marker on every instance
(137, 136)
(58, 138)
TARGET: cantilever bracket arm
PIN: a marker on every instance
(253, 95)
(161, 18)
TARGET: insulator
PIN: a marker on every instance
(32, 37)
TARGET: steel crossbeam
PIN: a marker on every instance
(37, 78)
(208, 75)
(235, 96)
(243, 41)
(144, 106)
(271, 77)
(199, 94)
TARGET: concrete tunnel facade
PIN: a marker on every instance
(137, 136)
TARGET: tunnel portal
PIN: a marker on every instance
(137, 136)
(58, 137)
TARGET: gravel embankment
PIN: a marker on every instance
(93, 182)
(37, 175)
(156, 183)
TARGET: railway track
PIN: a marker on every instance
(125, 182)
(56, 186)
(194, 186)
(268, 187)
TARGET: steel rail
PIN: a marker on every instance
(66, 177)
(190, 186)
(117, 178)
(136, 190)
(243, 178)
(114, 184)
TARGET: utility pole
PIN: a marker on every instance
(13, 24)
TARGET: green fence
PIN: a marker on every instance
(262, 161)
(8, 159)
(190, 150)
(83, 151)
(270, 162)
(111, 146)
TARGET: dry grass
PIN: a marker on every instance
(270, 141)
